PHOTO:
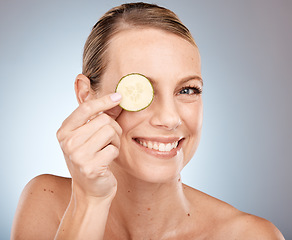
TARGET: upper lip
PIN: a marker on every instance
(159, 139)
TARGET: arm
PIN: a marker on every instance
(89, 147)
(84, 219)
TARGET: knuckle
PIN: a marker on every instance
(72, 142)
(113, 150)
(110, 130)
(85, 107)
(76, 157)
(120, 130)
(59, 134)
(106, 119)
(67, 145)
(88, 172)
(103, 102)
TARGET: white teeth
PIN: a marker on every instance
(155, 146)
(162, 147)
(168, 147)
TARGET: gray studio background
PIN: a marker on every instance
(245, 153)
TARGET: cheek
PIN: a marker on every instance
(192, 116)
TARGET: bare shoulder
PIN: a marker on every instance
(247, 226)
(41, 206)
(227, 221)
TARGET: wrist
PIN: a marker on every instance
(85, 217)
(80, 197)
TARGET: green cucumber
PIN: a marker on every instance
(137, 92)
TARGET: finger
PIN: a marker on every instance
(84, 133)
(106, 135)
(87, 109)
(99, 163)
(86, 152)
(97, 123)
(106, 155)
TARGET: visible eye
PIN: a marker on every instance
(190, 90)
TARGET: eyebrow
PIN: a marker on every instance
(192, 77)
(183, 80)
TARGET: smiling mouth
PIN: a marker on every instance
(158, 146)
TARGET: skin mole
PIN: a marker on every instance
(48, 190)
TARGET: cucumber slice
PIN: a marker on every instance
(137, 92)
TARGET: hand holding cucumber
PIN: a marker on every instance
(90, 146)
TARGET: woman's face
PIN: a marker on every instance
(173, 121)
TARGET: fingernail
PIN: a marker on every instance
(115, 97)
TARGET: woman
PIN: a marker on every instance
(125, 183)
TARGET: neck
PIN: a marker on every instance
(141, 208)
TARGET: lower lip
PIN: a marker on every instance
(166, 155)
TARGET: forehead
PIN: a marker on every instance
(151, 52)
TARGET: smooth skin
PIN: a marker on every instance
(119, 188)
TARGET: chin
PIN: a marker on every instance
(158, 176)
(151, 169)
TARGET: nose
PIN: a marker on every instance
(165, 115)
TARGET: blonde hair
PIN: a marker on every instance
(126, 16)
